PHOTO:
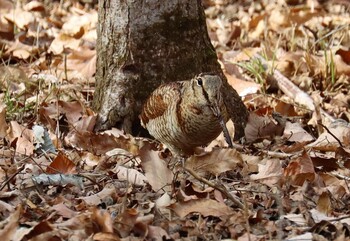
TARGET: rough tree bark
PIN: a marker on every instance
(142, 44)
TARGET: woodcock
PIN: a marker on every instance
(186, 114)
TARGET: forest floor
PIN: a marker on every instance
(290, 62)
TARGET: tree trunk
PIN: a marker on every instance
(142, 44)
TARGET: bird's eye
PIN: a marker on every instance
(199, 81)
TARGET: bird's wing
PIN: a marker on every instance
(160, 100)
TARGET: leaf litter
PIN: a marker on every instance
(289, 181)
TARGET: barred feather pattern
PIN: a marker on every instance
(185, 114)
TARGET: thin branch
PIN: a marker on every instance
(336, 138)
(3, 185)
(220, 188)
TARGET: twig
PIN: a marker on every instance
(221, 188)
(280, 154)
(21, 168)
(336, 138)
(342, 176)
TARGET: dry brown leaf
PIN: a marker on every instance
(157, 233)
(86, 123)
(259, 28)
(103, 219)
(131, 175)
(156, 169)
(269, 173)
(326, 141)
(319, 216)
(205, 207)
(295, 133)
(34, 6)
(215, 162)
(9, 226)
(300, 170)
(21, 137)
(11, 77)
(126, 221)
(341, 66)
(248, 237)
(244, 55)
(6, 30)
(21, 18)
(262, 127)
(324, 203)
(189, 191)
(62, 42)
(21, 53)
(285, 109)
(82, 62)
(337, 187)
(163, 201)
(324, 164)
(89, 159)
(107, 192)
(96, 143)
(64, 211)
(298, 219)
(4, 206)
(73, 110)
(105, 237)
(345, 55)
(61, 165)
(77, 25)
(242, 87)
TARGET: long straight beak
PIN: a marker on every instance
(216, 110)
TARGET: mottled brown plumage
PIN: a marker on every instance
(185, 114)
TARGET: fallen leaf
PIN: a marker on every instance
(327, 141)
(324, 203)
(61, 165)
(10, 225)
(22, 138)
(262, 127)
(345, 55)
(215, 162)
(269, 173)
(205, 207)
(300, 170)
(96, 199)
(131, 175)
(295, 133)
(156, 170)
(242, 87)
(63, 210)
